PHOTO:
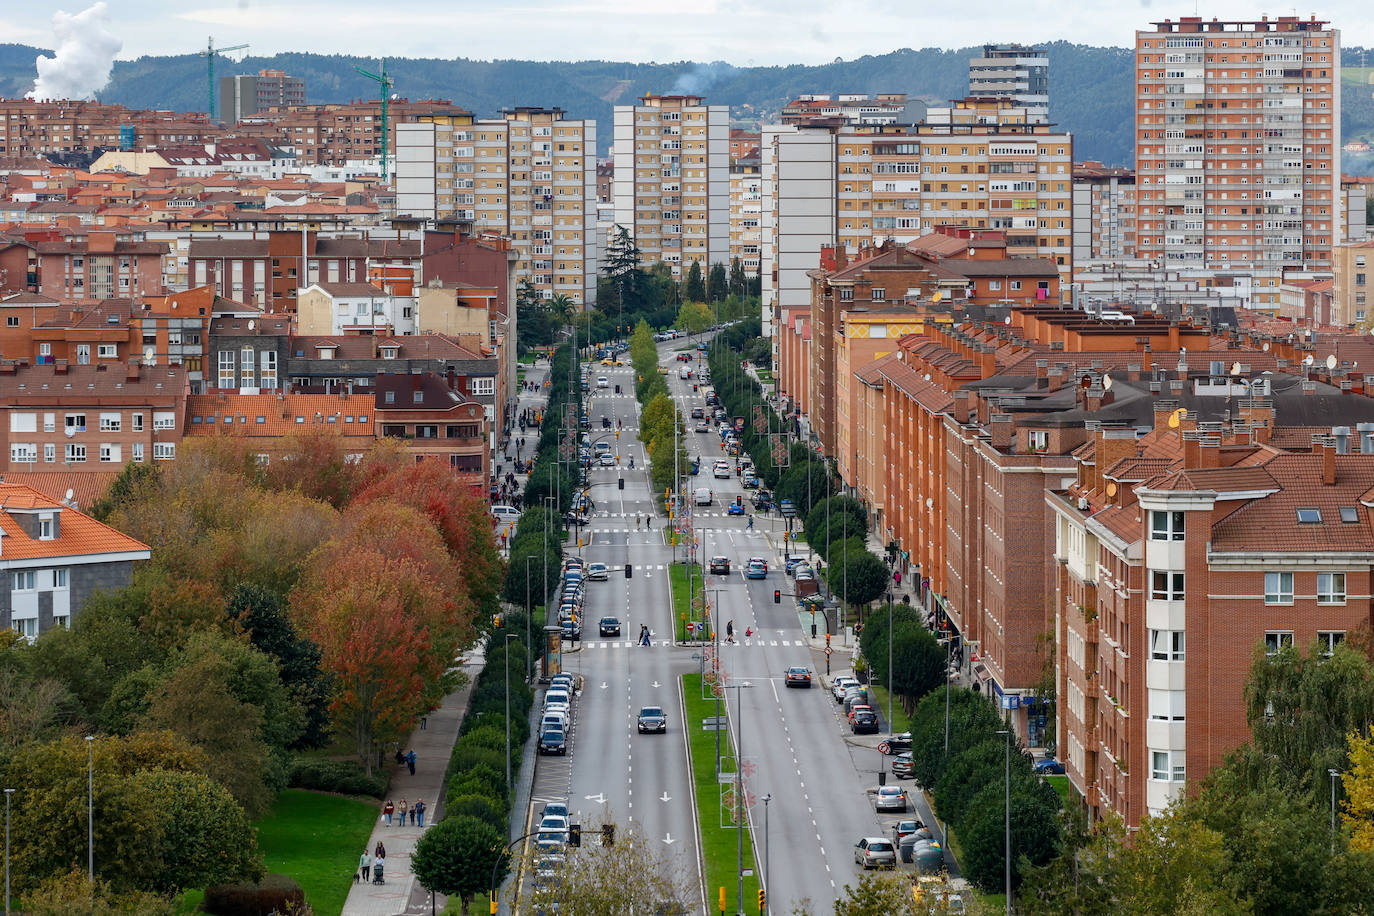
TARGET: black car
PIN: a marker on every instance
(698, 413)
(895, 744)
(763, 499)
(652, 719)
(572, 630)
(720, 566)
(553, 741)
(864, 722)
(609, 626)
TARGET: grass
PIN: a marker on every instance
(316, 838)
(677, 581)
(718, 845)
(765, 376)
(1061, 785)
(901, 722)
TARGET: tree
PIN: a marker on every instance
(1034, 831)
(1357, 812)
(633, 875)
(880, 895)
(694, 286)
(131, 484)
(858, 576)
(694, 316)
(971, 720)
(72, 892)
(263, 616)
(205, 837)
(834, 520)
(918, 662)
(806, 482)
(459, 856)
(716, 287)
(622, 263)
(737, 279)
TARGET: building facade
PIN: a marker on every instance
(1104, 210)
(1015, 72)
(672, 180)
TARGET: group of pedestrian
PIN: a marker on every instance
(372, 865)
(415, 813)
(644, 638)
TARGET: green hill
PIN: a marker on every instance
(1091, 88)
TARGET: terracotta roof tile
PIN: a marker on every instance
(78, 534)
(86, 486)
(1272, 523)
(271, 416)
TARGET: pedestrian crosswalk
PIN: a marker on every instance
(661, 643)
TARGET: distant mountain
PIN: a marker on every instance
(1091, 88)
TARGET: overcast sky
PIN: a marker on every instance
(742, 32)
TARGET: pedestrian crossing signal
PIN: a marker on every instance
(575, 835)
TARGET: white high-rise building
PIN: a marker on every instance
(672, 180)
(1014, 72)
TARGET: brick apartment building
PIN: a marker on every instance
(437, 420)
(100, 266)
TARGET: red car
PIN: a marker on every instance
(684, 357)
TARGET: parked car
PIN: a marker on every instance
(903, 766)
(798, 676)
(609, 626)
(554, 720)
(559, 808)
(553, 741)
(875, 852)
(572, 630)
(890, 798)
(905, 828)
(720, 566)
(895, 744)
(791, 563)
(1049, 765)
(863, 722)
(652, 719)
(598, 572)
(840, 685)
(751, 482)
(763, 500)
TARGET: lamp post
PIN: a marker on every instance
(767, 890)
(1330, 772)
(739, 789)
(509, 637)
(8, 793)
(890, 727)
(1007, 802)
(90, 807)
(529, 612)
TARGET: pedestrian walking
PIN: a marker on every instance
(378, 853)
(365, 865)
(419, 810)
(401, 809)
(729, 637)
(410, 761)
(387, 810)
(750, 526)
(648, 522)
(637, 520)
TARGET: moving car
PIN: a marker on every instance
(698, 413)
(553, 741)
(903, 766)
(598, 572)
(603, 382)
(720, 566)
(797, 676)
(863, 722)
(684, 357)
(684, 372)
(875, 852)
(609, 626)
(652, 719)
(735, 509)
(756, 569)
(701, 496)
(703, 427)
(890, 798)
(721, 469)
(505, 514)
(895, 744)
(606, 460)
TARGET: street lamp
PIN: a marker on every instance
(1330, 772)
(8, 793)
(509, 637)
(892, 729)
(90, 807)
(739, 788)
(1007, 801)
(767, 890)
(529, 612)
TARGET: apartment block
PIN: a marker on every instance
(850, 107)
(1353, 265)
(1015, 72)
(243, 95)
(1104, 209)
(746, 212)
(1238, 137)
(103, 265)
(672, 179)
(530, 176)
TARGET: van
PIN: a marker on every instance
(505, 514)
(558, 720)
(702, 496)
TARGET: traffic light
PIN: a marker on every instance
(496, 621)
(827, 640)
(617, 434)
(763, 898)
(629, 571)
(575, 835)
(777, 596)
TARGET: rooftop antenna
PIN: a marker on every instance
(209, 55)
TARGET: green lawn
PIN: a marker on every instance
(765, 376)
(677, 581)
(900, 721)
(1061, 785)
(316, 838)
(719, 846)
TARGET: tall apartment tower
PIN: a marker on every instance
(529, 176)
(1238, 138)
(1015, 72)
(245, 94)
(672, 179)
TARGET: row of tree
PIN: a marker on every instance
(661, 425)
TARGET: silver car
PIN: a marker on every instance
(875, 852)
(890, 798)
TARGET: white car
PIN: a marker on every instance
(702, 496)
(721, 470)
(598, 572)
(603, 382)
(684, 372)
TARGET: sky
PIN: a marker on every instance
(741, 32)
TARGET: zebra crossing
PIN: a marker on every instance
(744, 643)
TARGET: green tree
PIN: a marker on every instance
(737, 279)
(72, 892)
(834, 520)
(263, 616)
(694, 286)
(1034, 831)
(971, 721)
(133, 481)
(634, 875)
(880, 895)
(806, 482)
(205, 837)
(856, 574)
(694, 316)
(716, 286)
(458, 857)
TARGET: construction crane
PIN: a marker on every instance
(209, 55)
(385, 83)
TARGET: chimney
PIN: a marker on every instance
(987, 361)
(1342, 436)
(1192, 450)
(1328, 448)
(1209, 452)
(1366, 435)
(1002, 429)
(960, 408)
(59, 367)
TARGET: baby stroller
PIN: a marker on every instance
(377, 873)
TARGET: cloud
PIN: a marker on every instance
(85, 53)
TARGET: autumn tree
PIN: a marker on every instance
(1357, 811)
(633, 875)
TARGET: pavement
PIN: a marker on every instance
(401, 894)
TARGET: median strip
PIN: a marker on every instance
(683, 612)
(715, 802)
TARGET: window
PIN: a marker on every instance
(1168, 705)
(136, 452)
(83, 354)
(49, 451)
(1038, 440)
(846, 294)
(59, 578)
(45, 528)
(879, 292)
(49, 422)
(1309, 516)
(164, 419)
(1278, 588)
(226, 368)
(247, 369)
(164, 451)
(267, 359)
(1166, 645)
(1350, 515)
(483, 385)
(26, 627)
(110, 422)
(1331, 588)
(11, 321)
(110, 452)
(1277, 640)
(61, 620)
(137, 422)
(24, 580)
(76, 452)
(1166, 526)
(1166, 586)
(23, 422)
(1167, 766)
(23, 452)
(76, 422)
(107, 351)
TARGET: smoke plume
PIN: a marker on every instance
(85, 53)
(701, 78)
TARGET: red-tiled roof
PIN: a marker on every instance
(78, 534)
(273, 416)
(85, 486)
(1272, 523)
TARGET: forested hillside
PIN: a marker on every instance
(1091, 88)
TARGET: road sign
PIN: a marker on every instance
(829, 651)
(714, 727)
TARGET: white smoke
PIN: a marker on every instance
(85, 53)
(701, 78)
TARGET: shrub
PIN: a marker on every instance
(274, 894)
(478, 806)
(347, 777)
(465, 756)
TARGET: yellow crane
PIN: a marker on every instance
(209, 55)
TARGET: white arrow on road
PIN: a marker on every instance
(603, 685)
(664, 797)
(599, 798)
(656, 685)
(668, 838)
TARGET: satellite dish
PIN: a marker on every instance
(252, 324)
(70, 493)
(930, 503)
(1177, 417)
(1107, 382)
(1307, 360)
(70, 431)
(1331, 361)
(1006, 320)
(1266, 346)
(149, 354)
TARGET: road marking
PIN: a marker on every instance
(668, 838)
(664, 797)
(599, 798)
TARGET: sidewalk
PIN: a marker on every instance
(432, 745)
